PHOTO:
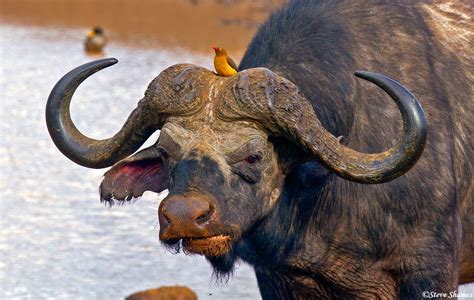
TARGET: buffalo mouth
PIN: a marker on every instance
(218, 245)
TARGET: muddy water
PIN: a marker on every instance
(57, 241)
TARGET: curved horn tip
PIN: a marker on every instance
(414, 118)
(371, 76)
(367, 74)
(94, 66)
(110, 61)
(386, 83)
(362, 74)
(69, 140)
(103, 63)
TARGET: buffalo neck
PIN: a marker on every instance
(302, 242)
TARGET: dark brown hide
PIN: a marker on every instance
(250, 160)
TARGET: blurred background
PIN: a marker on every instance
(172, 24)
(57, 241)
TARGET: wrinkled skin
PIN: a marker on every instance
(202, 155)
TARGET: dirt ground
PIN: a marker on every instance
(192, 24)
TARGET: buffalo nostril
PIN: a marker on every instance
(167, 220)
(206, 216)
(164, 219)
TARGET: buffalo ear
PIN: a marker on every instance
(132, 176)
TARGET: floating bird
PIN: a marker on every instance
(224, 65)
(95, 40)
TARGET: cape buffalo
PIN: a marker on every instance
(256, 169)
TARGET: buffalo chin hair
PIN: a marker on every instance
(222, 266)
(172, 246)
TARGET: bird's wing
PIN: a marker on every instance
(232, 63)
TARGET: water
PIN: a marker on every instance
(57, 240)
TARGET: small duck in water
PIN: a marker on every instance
(95, 40)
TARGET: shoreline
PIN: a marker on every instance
(194, 25)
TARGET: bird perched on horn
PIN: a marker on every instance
(224, 65)
(95, 40)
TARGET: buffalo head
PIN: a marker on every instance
(225, 147)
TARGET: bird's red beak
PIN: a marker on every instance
(215, 48)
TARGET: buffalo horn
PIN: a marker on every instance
(277, 104)
(362, 167)
(78, 147)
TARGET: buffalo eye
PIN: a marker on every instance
(252, 159)
(164, 154)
